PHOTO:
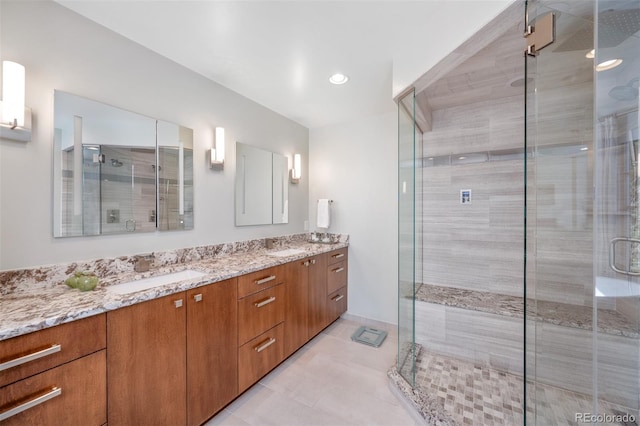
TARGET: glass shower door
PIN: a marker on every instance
(583, 231)
(617, 211)
(409, 185)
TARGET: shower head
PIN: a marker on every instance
(628, 92)
(116, 163)
(614, 27)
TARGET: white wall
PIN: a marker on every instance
(355, 164)
(62, 50)
(454, 22)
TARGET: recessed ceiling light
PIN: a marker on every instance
(607, 65)
(591, 54)
(338, 78)
(584, 148)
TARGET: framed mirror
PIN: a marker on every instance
(107, 165)
(261, 187)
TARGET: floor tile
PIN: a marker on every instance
(330, 381)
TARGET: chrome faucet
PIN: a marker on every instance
(143, 263)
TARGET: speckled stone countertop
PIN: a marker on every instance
(563, 314)
(37, 298)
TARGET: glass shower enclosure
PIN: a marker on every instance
(519, 246)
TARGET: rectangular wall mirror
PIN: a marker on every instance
(134, 173)
(262, 190)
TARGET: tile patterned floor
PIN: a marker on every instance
(330, 381)
(334, 381)
(476, 395)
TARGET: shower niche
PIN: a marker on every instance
(116, 171)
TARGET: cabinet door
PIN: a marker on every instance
(318, 318)
(58, 344)
(336, 276)
(259, 356)
(337, 304)
(146, 363)
(260, 312)
(74, 393)
(296, 323)
(212, 351)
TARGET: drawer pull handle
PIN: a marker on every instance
(55, 391)
(338, 256)
(305, 263)
(31, 357)
(338, 298)
(264, 345)
(313, 261)
(177, 303)
(198, 297)
(266, 301)
(265, 279)
(338, 270)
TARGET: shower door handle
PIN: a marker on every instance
(612, 255)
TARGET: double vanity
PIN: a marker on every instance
(172, 350)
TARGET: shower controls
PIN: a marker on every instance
(113, 216)
(465, 196)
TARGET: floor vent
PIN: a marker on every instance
(369, 336)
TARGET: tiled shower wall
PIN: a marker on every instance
(476, 245)
(479, 245)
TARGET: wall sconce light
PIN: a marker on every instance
(216, 154)
(296, 171)
(16, 119)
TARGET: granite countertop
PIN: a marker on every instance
(34, 299)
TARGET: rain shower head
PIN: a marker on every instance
(614, 27)
(628, 92)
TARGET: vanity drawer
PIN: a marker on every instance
(32, 353)
(259, 312)
(259, 356)
(337, 304)
(74, 393)
(337, 256)
(259, 280)
(336, 276)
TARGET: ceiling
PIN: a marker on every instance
(281, 53)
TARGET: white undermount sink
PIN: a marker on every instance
(147, 283)
(285, 252)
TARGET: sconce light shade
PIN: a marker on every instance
(15, 123)
(13, 93)
(296, 172)
(216, 154)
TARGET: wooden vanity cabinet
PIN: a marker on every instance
(146, 362)
(296, 324)
(59, 372)
(212, 355)
(261, 312)
(318, 319)
(337, 273)
(173, 360)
